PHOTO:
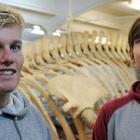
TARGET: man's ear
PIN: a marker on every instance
(132, 57)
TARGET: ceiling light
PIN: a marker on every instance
(37, 30)
(57, 32)
(135, 4)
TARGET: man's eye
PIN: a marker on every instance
(137, 40)
(15, 48)
(1, 48)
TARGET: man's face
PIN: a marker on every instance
(11, 58)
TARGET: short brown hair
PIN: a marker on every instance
(134, 34)
(10, 16)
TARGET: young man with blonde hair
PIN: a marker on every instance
(19, 119)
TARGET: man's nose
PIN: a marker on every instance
(5, 54)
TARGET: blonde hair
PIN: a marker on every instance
(10, 16)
